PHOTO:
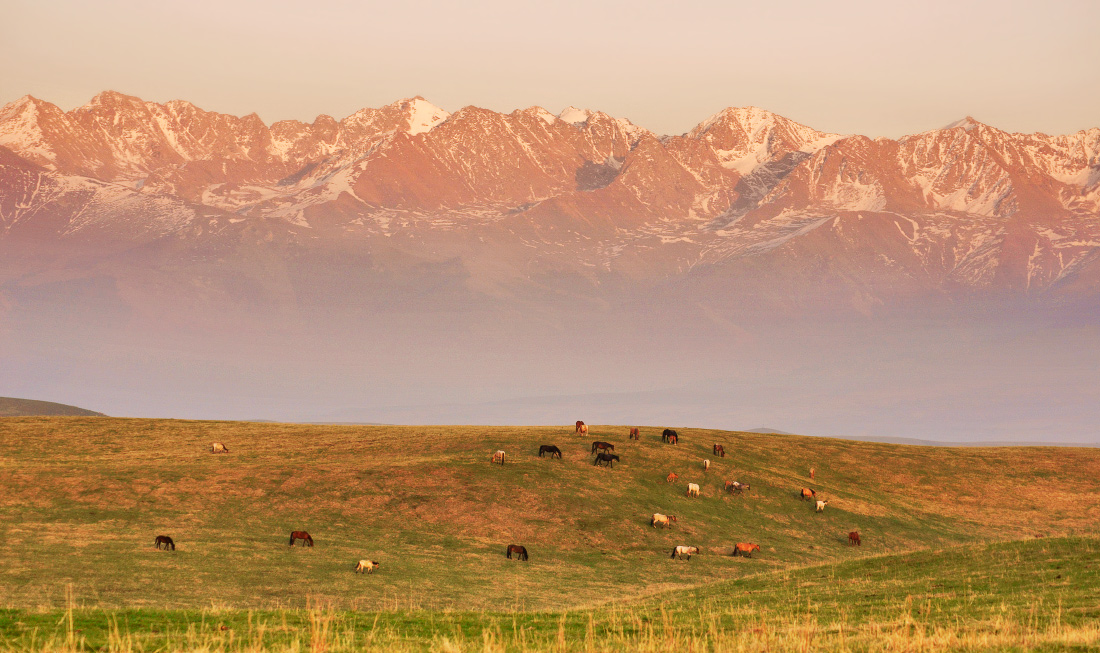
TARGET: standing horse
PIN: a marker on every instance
(550, 449)
(682, 551)
(521, 552)
(579, 425)
(602, 446)
(634, 434)
(166, 541)
(853, 539)
(498, 457)
(719, 451)
(807, 494)
(608, 458)
(745, 549)
(300, 535)
(668, 435)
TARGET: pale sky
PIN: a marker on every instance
(848, 66)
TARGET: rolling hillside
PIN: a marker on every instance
(426, 503)
(11, 407)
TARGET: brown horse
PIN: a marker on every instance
(853, 539)
(672, 477)
(301, 535)
(634, 433)
(550, 449)
(668, 435)
(608, 458)
(166, 541)
(520, 551)
(807, 494)
(745, 549)
(579, 425)
(719, 451)
(602, 446)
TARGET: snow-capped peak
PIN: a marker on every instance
(575, 116)
(966, 123)
(423, 115)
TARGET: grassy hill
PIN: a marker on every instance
(11, 407)
(83, 498)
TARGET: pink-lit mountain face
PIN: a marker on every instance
(509, 197)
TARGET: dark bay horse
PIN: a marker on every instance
(301, 535)
(602, 446)
(608, 458)
(670, 436)
(166, 541)
(521, 552)
(719, 451)
(550, 449)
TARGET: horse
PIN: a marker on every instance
(602, 446)
(745, 549)
(218, 447)
(300, 535)
(811, 473)
(719, 451)
(672, 477)
(366, 566)
(521, 552)
(735, 487)
(853, 539)
(498, 457)
(706, 464)
(608, 458)
(668, 435)
(166, 541)
(634, 434)
(682, 551)
(550, 449)
(579, 425)
(663, 520)
(807, 494)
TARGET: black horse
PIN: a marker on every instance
(608, 458)
(550, 449)
(603, 446)
(520, 551)
(166, 541)
(670, 436)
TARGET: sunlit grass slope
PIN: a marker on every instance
(82, 499)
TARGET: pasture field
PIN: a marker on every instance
(83, 498)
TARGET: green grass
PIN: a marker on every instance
(83, 498)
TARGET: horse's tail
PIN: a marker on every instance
(673, 553)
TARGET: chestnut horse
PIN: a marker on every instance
(853, 539)
(166, 541)
(719, 451)
(807, 494)
(579, 425)
(634, 433)
(745, 549)
(521, 552)
(301, 535)
(602, 446)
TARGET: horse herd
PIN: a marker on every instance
(603, 456)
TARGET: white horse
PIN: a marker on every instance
(681, 551)
(366, 566)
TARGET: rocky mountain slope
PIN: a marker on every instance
(142, 190)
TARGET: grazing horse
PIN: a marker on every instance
(579, 425)
(853, 539)
(166, 541)
(719, 451)
(807, 494)
(668, 435)
(811, 473)
(608, 458)
(706, 465)
(602, 446)
(550, 449)
(663, 520)
(521, 552)
(672, 477)
(693, 489)
(821, 506)
(218, 447)
(634, 433)
(366, 566)
(745, 549)
(498, 457)
(584, 429)
(735, 487)
(300, 535)
(682, 551)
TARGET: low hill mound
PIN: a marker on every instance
(11, 407)
(428, 505)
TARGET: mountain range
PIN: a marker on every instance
(405, 260)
